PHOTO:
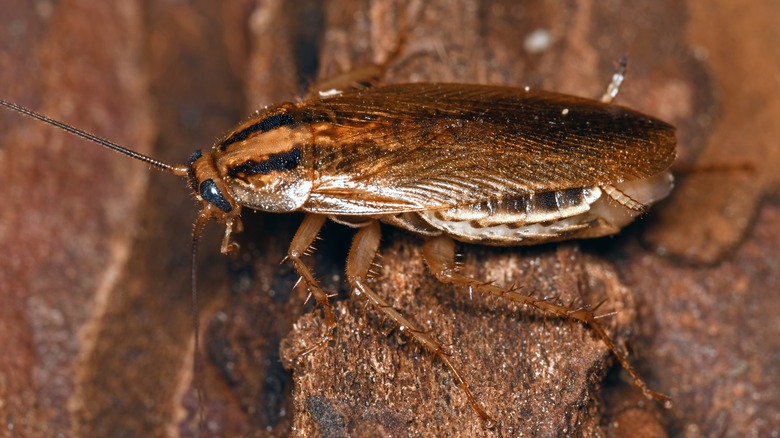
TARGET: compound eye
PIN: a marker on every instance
(210, 192)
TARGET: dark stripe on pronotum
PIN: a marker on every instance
(265, 125)
(276, 162)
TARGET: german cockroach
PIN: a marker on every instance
(482, 164)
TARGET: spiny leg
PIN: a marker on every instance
(361, 254)
(363, 76)
(439, 253)
(299, 246)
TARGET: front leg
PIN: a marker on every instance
(300, 245)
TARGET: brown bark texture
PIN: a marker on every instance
(95, 317)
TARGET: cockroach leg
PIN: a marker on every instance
(365, 76)
(439, 253)
(361, 255)
(232, 225)
(306, 234)
(362, 77)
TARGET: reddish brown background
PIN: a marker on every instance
(95, 321)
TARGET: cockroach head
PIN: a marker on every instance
(209, 189)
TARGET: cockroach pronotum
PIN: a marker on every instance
(482, 164)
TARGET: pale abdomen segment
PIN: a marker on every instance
(535, 218)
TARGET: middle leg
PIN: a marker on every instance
(361, 255)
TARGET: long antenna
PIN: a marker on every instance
(176, 170)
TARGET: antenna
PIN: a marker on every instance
(176, 170)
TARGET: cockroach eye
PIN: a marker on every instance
(210, 192)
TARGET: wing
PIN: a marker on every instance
(413, 147)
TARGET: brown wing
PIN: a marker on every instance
(418, 147)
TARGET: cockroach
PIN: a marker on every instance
(483, 164)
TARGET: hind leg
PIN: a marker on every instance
(439, 253)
